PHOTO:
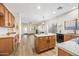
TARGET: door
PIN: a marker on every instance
(42, 44)
(51, 41)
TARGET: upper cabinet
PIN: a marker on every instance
(6, 18)
(13, 21)
(1, 9)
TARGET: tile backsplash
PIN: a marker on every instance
(3, 30)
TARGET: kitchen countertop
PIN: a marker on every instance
(4, 36)
(70, 46)
(48, 34)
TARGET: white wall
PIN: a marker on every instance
(60, 21)
(70, 16)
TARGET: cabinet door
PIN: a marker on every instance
(6, 47)
(10, 20)
(68, 37)
(51, 41)
(6, 17)
(42, 44)
(13, 21)
(2, 23)
(1, 10)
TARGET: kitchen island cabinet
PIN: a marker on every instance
(44, 42)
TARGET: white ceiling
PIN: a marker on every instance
(30, 13)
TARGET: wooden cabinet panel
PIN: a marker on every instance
(10, 19)
(10, 44)
(1, 10)
(7, 20)
(13, 21)
(51, 41)
(2, 23)
(15, 42)
(63, 53)
(68, 37)
(6, 17)
(6, 46)
(44, 43)
(41, 44)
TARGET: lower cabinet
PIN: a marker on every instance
(44, 43)
(8, 45)
(15, 42)
(51, 41)
(68, 37)
(41, 44)
(63, 53)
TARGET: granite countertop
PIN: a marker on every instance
(48, 34)
(5, 35)
(71, 47)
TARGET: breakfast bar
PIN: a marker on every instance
(44, 42)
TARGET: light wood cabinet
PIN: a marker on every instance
(51, 41)
(6, 47)
(7, 20)
(63, 53)
(41, 44)
(68, 37)
(15, 42)
(6, 17)
(13, 21)
(1, 9)
(1, 21)
(44, 43)
(10, 20)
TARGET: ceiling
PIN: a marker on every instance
(36, 12)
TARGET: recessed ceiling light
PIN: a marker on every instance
(54, 12)
(38, 7)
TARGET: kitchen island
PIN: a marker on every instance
(44, 42)
(68, 48)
